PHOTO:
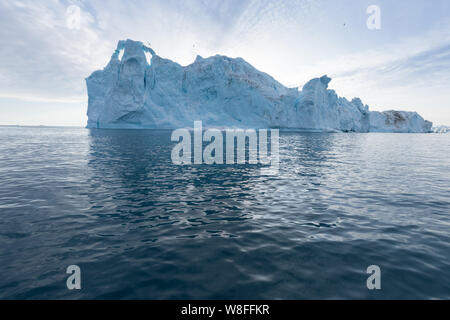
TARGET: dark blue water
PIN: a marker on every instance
(111, 202)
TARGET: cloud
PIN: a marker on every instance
(42, 57)
(45, 60)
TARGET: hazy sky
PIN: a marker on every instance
(405, 65)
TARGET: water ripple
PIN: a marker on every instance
(139, 227)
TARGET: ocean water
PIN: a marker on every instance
(139, 227)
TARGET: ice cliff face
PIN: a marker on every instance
(398, 121)
(133, 92)
(317, 108)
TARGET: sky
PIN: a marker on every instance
(47, 52)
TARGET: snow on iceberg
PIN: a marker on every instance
(132, 92)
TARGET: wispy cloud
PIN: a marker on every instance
(413, 74)
(41, 56)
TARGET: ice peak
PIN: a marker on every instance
(127, 49)
(325, 80)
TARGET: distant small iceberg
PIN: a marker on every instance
(134, 91)
(441, 129)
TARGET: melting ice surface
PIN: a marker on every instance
(135, 92)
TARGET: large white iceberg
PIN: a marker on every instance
(133, 91)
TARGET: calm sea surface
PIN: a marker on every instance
(112, 202)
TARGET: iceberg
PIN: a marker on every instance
(440, 129)
(134, 91)
(398, 122)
